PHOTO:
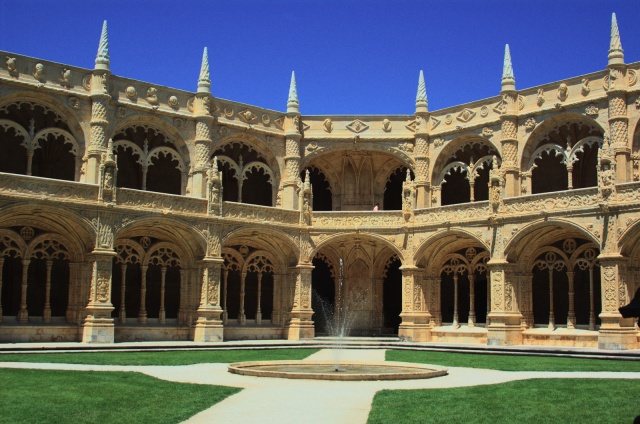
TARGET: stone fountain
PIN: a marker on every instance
(339, 322)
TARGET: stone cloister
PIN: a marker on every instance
(131, 211)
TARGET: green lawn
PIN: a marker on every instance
(159, 358)
(512, 363)
(529, 401)
(43, 396)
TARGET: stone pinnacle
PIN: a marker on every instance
(422, 104)
(616, 55)
(508, 80)
(102, 58)
(292, 103)
(204, 81)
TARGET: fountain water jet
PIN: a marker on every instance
(339, 321)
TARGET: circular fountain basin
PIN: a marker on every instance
(347, 370)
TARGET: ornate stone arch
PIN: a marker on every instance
(332, 177)
(19, 130)
(348, 145)
(158, 126)
(129, 252)
(233, 260)
(190, 243)
(442, 243)
(79, 233)
(548, 126)
(254, 143)
(349, 235)
(11, 244)
(260, 261)
(63, 111)
(50, 246)
(457, 144)
(164, 254)
(255, 165)
(542, 232)
(283, 248)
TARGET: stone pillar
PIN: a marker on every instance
(46, 314)
(615, 84)
(208, 325)
(98, 325)
(122, 315)
(300, 325)
(99, 122)
(615, 332)
(504, 328)
(203, 145)
(571, 317)
(142, 313)
(23, 314)
(292, 149)
(509, 127)
(416, 319)
(1, 274)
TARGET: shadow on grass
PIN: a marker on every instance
(512, 362)
(159, 358)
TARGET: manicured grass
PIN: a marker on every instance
(528, 401)
(159, 358)
(43, 396)
(511, 362)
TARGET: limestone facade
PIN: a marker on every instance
(131, 211)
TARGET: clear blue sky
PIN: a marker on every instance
(350, 57)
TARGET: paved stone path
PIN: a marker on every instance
(273, 400)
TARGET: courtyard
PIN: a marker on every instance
(183, 382)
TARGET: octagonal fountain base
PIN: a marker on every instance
(345, 371)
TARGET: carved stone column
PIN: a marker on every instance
(292, 149)
(98, 325)
(504, 328)
(615, 332)
(208, 325)
(203, 142)
(203, 145)
(415, 315)
(509, 127)
(99, 122)
(300, 325)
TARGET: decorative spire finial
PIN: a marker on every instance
(102, 58)
(421, 97)
(204, 81)
(110, 155)
(292, 103)
(508, 80)
(616, 54)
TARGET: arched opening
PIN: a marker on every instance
(163, 176)
(323, 298)
(393, 190)
(322, 197)
(585, 170)
(148, 160)
(256, 188)
(44, 147)
(455, 188)
(246, 175)
(13, 156)
(11, 285)
(550, 174)
(571, 146)
(54, 159)
(392, 297)
(465, 170)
